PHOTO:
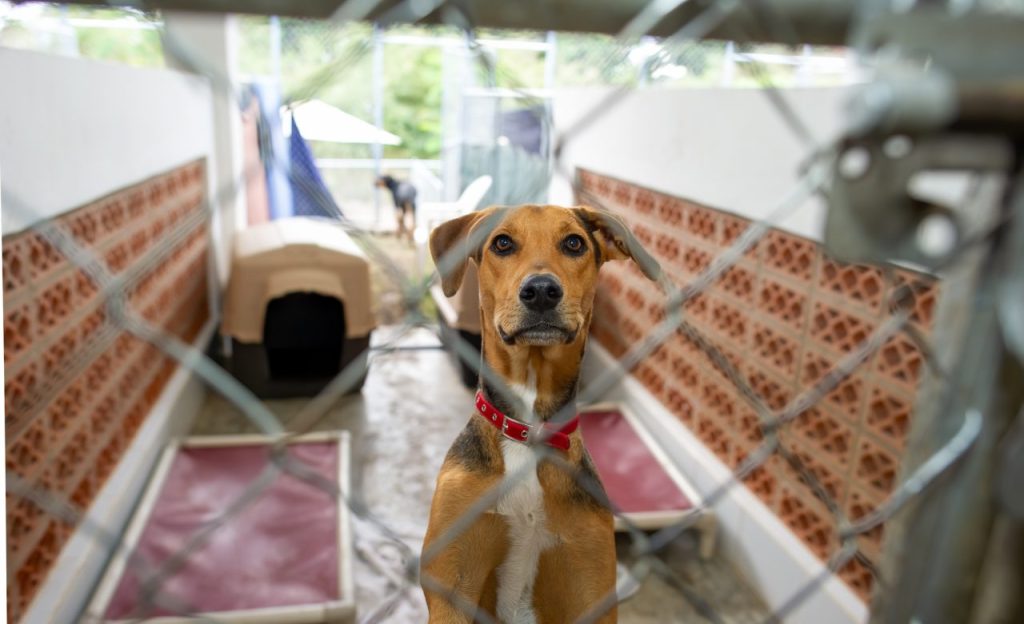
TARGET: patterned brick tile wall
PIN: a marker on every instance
(783, 315)
(76, 389)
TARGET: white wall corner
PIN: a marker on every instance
(208, 44)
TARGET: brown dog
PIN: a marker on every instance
(544, 551)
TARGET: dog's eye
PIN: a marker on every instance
(502, 245)
(574, 245)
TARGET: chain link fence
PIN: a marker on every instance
(628, 62)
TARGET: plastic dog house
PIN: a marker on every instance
(298, 306)
(286, 557)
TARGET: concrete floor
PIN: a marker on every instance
(394, 467)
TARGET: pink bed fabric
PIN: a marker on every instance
(280, 551)
(633, 478)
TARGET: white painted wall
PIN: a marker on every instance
(726, 148)
(211, 43)
(74, 130)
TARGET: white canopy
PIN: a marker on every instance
(319, 121)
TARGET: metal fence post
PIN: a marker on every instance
(935, 549)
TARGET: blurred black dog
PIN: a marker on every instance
(404, 195)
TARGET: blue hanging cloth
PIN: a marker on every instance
(310, 196)
(273, 152)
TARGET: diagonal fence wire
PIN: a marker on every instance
(645, 546)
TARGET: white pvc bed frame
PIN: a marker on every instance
(705, 524)
(340, 611)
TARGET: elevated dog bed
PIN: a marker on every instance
(641, 482)
(287, 557)
(298, 306)
(459, 318)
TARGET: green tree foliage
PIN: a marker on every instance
(412, 100)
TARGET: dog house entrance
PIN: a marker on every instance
(304, 334)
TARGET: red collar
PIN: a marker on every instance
(512, 429)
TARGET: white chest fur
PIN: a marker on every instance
(523, 509)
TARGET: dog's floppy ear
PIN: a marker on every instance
(616, 241)
(454, 242)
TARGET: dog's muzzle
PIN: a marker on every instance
(540, 323)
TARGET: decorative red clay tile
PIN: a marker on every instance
(763, 484)
(848, 397)
(681, 406)
(645, 235)
(670, 210)
(25, 456)
(696, 310)
(859, 578)
(789, 254)
(15, 269)
(809, 519)
(859, 284)
(65, 317)
(643, 202)
(24, 519)
(900, 361)
(611, 282)
(779, 352)
(888, 414)
(41, 257)
(916, 290)
(842, 331)
(718, 403)
(92, 323)
(728, 321)
(783, 315)
(19, 330)
(825, 434)
(732, 228)
(738, 282)
(829, 477)
(875, 467)
(64, 413)
(54, 305)
(18, 389)
(859, 504)
(684, 371)
(622, 193)
(650, 378)
(782, 303)
(695, 260)
(702, 223)
(748, 425)
(713, 435)
(667, 248)
(730, 355)
(635, 299)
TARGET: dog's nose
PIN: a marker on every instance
(540, 292)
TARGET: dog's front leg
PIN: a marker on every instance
(460, 560)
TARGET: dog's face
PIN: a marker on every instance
(537, 267)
